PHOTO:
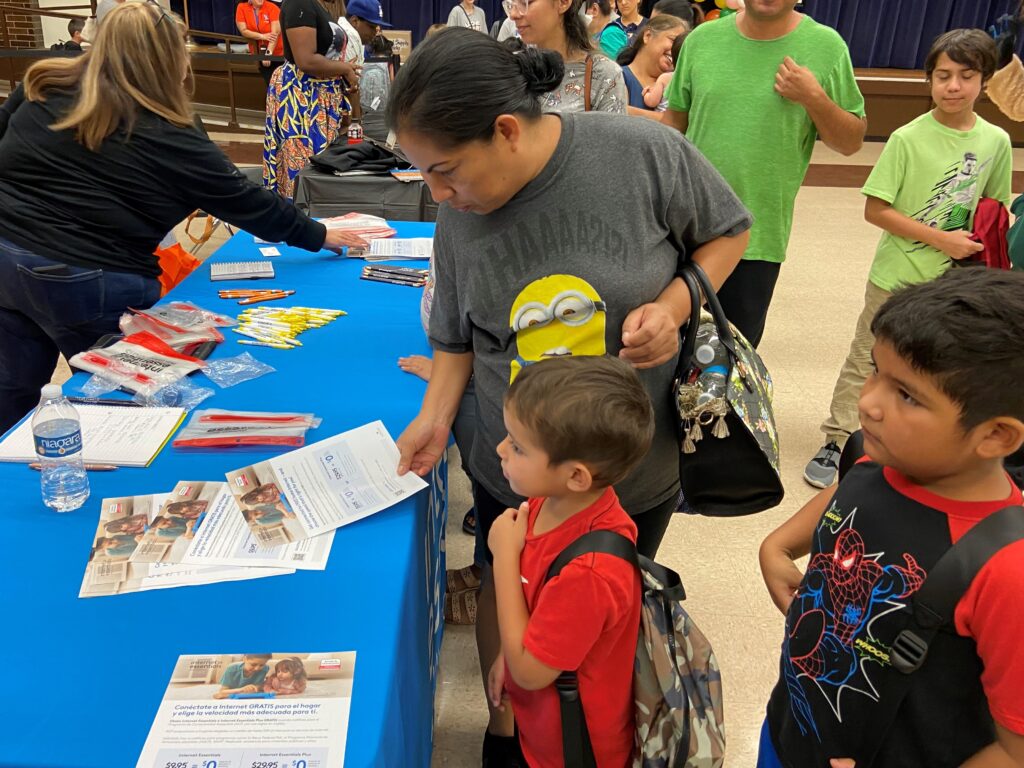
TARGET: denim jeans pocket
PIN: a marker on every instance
(64, 294)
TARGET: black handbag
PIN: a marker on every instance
(729, 464)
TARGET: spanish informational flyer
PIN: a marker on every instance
(323, 486)
(272, 710)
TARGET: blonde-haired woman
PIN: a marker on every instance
(99, 158)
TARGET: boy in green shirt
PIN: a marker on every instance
(922, 193)
(752, 92)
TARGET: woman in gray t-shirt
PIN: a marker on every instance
(542, 25)
(466, 14)
(551, 240)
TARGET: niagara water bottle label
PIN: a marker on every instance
(57, 447)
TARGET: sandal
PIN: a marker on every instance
(461, 579)
(469, 522)
(460, 608)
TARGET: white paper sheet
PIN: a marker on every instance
(225, 539)
(322, 486)
(198, 724)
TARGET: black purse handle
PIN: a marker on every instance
(697, 281)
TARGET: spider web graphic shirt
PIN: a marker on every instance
(872, 550)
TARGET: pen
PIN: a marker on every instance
(266, 297)
(89, 467)
(101, 401)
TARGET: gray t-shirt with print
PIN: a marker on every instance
(555, 271)
(607, 88)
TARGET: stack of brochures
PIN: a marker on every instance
(248, 527)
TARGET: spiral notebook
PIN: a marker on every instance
(125, 436)
(241, 270)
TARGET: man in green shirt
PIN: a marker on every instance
(753, 91)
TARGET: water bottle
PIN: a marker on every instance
(713, 383)
(709, 351)
(58, 439)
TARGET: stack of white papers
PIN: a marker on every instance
(410, 249)
(269, 519)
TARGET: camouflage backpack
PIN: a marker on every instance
(677, 686)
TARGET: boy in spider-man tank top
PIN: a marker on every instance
(942, 410)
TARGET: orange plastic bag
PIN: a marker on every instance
(175, 265)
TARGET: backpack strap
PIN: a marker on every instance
(934, 606)
(588, 73)
(577, 751)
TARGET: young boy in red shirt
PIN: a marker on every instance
(576, 426)
(941, 411)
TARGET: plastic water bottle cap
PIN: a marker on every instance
(52, 392)
(705, 354)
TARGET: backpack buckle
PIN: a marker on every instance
(908, 652)
(567, 686)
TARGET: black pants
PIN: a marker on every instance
(746, 295)
(651, 524)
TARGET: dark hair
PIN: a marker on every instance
(966, 330)
(292, 665)
(657, 25)
(456, 84)
(264, 656)
(433, 29)
(605, 6)
(577, 36)
(967, 47)
(681, 9)
(75, 25)
(588, 409)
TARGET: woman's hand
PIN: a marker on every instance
(496, 684)
(650, 336)
(337, 239)
(421, 445)
(351, 72)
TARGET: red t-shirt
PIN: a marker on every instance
(585, 619)
(992, 610)
(261, 21)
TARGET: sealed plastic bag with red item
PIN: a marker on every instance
(216, 429)
(139, 363)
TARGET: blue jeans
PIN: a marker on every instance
(48, 307)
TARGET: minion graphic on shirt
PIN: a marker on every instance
(556, 316)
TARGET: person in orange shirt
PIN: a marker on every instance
(260, 22)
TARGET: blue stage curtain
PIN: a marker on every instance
(415, 15)
(898, 33)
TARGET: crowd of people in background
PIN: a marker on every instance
(562, 235)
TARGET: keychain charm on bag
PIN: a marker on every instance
(723, 388)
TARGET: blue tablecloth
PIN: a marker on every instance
(83, 677)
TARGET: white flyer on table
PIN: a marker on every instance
(323, 486)
(269, 710)
(226, 539)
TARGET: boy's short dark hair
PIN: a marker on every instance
(605, 6)
(75, 25)
(588, 409)
(264, 656)
(965, 329)
(967, 47)
(681, 9)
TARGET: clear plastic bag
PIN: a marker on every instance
(228, 371)
(212, 429)
(180, 394)
(138, 363)
(181, 341)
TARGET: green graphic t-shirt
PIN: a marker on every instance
(935, 175)
(760, 142)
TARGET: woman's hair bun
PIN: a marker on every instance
(543, 70)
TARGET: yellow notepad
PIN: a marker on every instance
(125, 436)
